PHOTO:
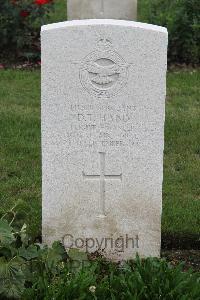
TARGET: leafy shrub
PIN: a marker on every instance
(182, 19)
(140, 279)
(20, 22)
(33, 271)
(22, 263)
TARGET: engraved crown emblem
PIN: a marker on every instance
(104, 44)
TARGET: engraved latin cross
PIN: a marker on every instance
(102, 177)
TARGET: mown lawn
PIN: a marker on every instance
(181, 189)
(20, 153)
(20, 163)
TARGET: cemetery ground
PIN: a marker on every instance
(20, 186)
(21, 151)
(28, 272)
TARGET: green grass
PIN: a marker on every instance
(20, 164)
(20, 159)
(181, 190)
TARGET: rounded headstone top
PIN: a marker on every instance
(108, 22)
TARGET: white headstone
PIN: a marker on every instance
(102, 9)
(103, 109)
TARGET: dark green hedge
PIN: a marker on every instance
(182, 19)
(20, 22)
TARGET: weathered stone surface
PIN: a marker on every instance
(103, 108)
(102, 9)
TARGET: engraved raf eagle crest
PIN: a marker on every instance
(103, 72)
